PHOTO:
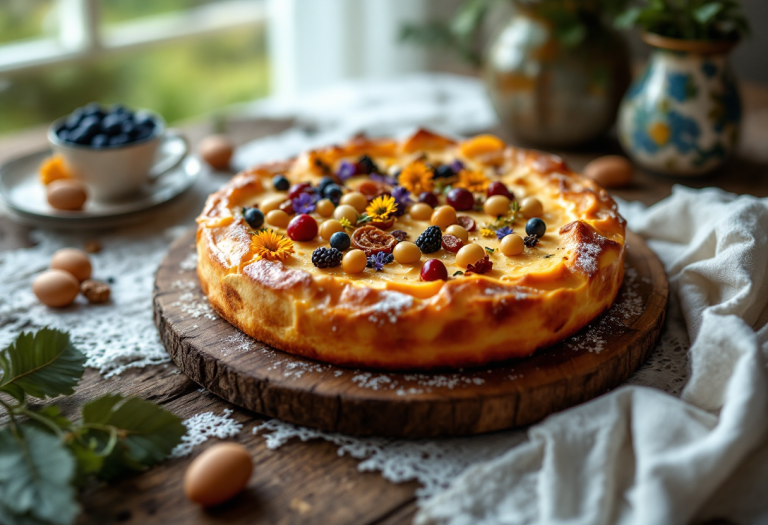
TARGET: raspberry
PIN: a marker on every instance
(430, 240)
(326, 257)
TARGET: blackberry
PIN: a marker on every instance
(326, 257)
(366, 165)
(430, 240)
(444, 171)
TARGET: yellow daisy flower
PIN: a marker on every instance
(416, 178)
(381, 208)
(474, 181)
(272, 246)
(345, 222)
(487, 232)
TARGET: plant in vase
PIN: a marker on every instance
(555, 73)
(681, 116)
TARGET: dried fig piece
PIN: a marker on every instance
(482, 266)
(400, 235)
(372, 240)
(466, 222)
(451, 243)
(384, 225)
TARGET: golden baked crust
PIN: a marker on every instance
(391, 319)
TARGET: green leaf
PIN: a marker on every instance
(706, 13)
(89, 461)
(44, 364)
(36, 471)
(146, 432)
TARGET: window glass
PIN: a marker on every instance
(179, 80)
(116, 11)
(27, 19)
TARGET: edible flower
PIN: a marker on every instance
(416, 177)
(385, 179)
(304, 203)
(378, 260)
(52, 169)
(503, 232)
(381, 208)
(266, 244)
(346, 170)
(345, 223)
(402, 199)
(474, 181)
(487, 232)
(457, 166)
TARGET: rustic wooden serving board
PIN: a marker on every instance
(411, 405)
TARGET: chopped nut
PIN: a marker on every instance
(92, 246)
(95, 291)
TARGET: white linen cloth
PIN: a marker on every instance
(639, 455)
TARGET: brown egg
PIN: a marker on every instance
(218, 474)
(216, 151)
(73, 261)
(56, 288)
(611, 171)
(66, 194)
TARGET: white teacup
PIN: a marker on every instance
(115, 172)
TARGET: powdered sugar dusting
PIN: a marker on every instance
(588, 252)
(189, 263)
(391, 305)
(202, 427)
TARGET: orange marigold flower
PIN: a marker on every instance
(474, 181)
(272, 246)
(416, 178)
(52, 169)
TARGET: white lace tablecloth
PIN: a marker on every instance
(637, 455)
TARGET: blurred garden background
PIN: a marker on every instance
(180, 72)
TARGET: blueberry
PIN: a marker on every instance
(99, 141)
(323, 184)
(91, 124)
(340, 241)
(79, 136)
(281, 183)
(254, 217)
(112, 124)
(443, 171)
(129, 128)
(143, 132)
(536, 227)
(144, 119)
(333, 192)
(63, 135)
(94, 109)
(119, 140)
(118, 109)
(74, 118)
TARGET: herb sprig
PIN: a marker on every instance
(45, 456)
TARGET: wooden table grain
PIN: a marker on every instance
(309, 482)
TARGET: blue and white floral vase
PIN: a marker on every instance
(681, 117)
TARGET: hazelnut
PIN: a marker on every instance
(96, 292)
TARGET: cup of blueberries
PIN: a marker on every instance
(115, 150)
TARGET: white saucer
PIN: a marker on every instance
(24, 195)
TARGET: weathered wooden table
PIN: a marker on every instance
(309, 482)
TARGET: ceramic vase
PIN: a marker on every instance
(681, 116)
(550, 95)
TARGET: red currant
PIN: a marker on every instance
(302, 228)
(498, 188)
(461, 199)
(428, 197)
(434, 270)
(298, 189)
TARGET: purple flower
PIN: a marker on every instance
(346, 170)
(503, 232)
(402, 198)
(457, 166)
(378, 260)
(378, 177)
(304, 203)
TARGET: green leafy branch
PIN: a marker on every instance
(687, 19)
(44, 456)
